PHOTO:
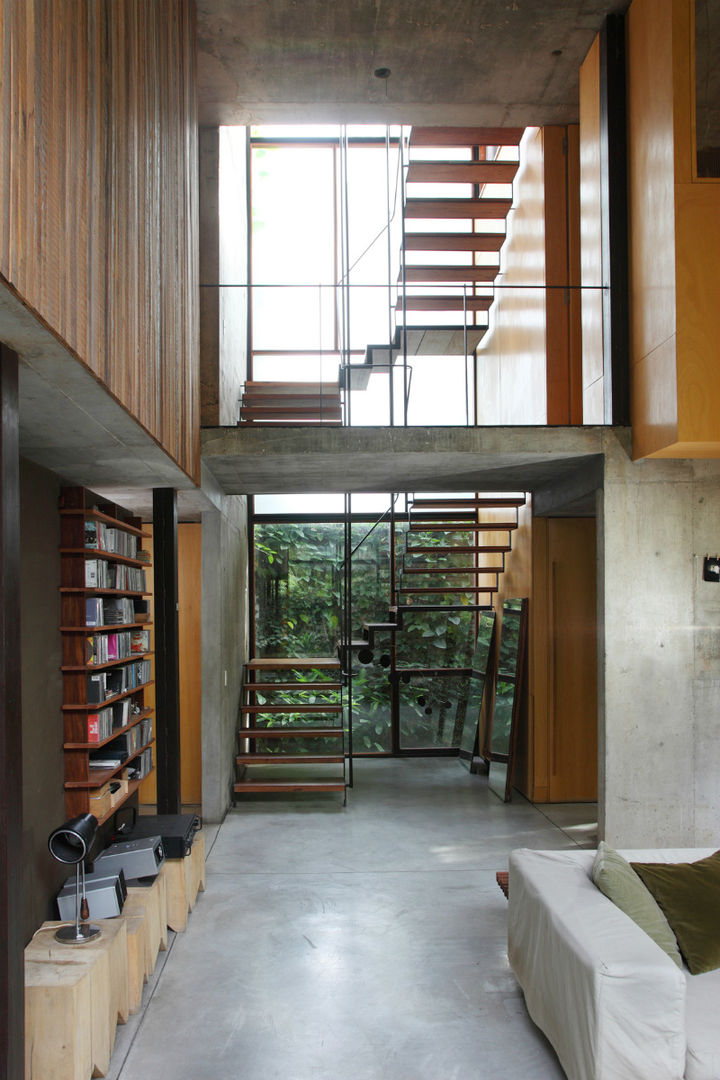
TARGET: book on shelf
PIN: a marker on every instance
(106, 761)
(94, 611)
(119, 610)
(91, 534)
(96, 690)
(121, 713)
(99, 725)
(140, 641)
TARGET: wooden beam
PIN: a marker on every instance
(167, 676)
(12, 1011)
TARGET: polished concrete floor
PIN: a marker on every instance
(365, 942)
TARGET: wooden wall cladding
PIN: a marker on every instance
(98, 195)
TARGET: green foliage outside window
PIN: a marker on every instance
(299, 612)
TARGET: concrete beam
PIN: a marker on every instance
(283, 460)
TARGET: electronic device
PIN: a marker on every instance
(136, 858)
(177, 830)
(105, 894)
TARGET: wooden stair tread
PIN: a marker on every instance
(414, 275)
(494, 570)
(293, 663)
(283, 732)
(317, 388)
(470, 504)
(471, 209)
(288, 785)
(445, 303)
(285, 707)
(293, 412)
(465, 136)
(290, 759)
(410, 608)
(290, 687)
(462, 526)
(424, 241)
(378, 627)
(292, 400)
(461, 172)
(440, 589)
(485, 549)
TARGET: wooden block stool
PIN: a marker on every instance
(106, 960)
(184, 878)
(135, 917)
(57, 1031)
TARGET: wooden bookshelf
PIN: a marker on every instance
(94, 530)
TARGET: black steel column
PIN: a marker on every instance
(167, 690)
(614, 220)
(12, 1009)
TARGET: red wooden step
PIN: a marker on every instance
(294, 663)
(473, 209)
(415, 274)
(485, 549)
(461, 172)
(462, 526)
(245, 786)
(290, 759)
(423, 241)
(321, 388)
(447, 589)
(484, 501)
(453, 570)
(290, 687)
(445, 303)
(290, 732)
(285, 708)
(466, 136)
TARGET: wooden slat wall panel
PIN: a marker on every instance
(98, 190)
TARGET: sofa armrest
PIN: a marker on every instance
(610, 1001)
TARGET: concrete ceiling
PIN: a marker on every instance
(510, 62)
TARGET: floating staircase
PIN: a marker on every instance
(450, 259)
(292, 732)
(434, 576)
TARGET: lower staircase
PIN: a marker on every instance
(292, 731)
(454, 553)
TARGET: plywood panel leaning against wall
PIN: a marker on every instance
(675, 237)
(98, 231)
(529, 363)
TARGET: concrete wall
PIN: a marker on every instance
(43, 796)
(225, 637)
(659, 657)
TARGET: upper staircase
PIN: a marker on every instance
(458, 195)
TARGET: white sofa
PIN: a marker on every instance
(611, 1002)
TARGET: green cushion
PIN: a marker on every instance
(689, 895)
(614, 876)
